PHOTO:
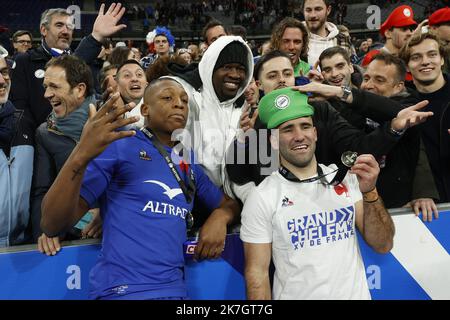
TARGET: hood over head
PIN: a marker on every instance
(209, 60)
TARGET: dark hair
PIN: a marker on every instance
(119, 55)
(20, 33)
(155, 82)
(278, 31)
(264, 58)
(358, 43)
(77, 71)
(416, 39)
(330, 52)
(211, 24)
(47, 16)
(238, 30)
(389, 59)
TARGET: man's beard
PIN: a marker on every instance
(426, 83)
(398, 41)
(5, 97)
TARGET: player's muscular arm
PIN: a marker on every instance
(376, 225)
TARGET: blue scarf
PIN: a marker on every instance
(54, 52)
(72, 124)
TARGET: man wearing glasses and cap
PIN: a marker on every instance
(304, 220)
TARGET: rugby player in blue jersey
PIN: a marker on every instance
(145, 197)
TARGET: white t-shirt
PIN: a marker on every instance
(312, 230)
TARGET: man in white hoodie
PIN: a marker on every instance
(215, 91)
(322, 34)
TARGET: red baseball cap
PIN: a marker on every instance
(402, 16)
(439, 16)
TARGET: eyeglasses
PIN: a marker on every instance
(22, 42)
(5, 72)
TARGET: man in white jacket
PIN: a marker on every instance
(322, 34)
(215, 102)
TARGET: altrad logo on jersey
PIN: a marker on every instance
(321, 228)
(171, 193)
(163, 207)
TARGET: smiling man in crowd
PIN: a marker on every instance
(424, 56)
(215, 92)
(56, 29)
(131, 83)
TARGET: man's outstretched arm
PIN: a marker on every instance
(62, 206)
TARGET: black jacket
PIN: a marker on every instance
(405, 173)
(96, 67)
(7, 122)
(51, 152)
(27, 92)
(436, 138)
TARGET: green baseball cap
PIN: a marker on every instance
(283, 105)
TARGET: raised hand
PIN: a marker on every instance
(366, 169)
(315, 76)
(419, 27)
(106, 23)
(100, 129)
(246, 122)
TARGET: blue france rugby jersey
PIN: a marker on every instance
(143, 210)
